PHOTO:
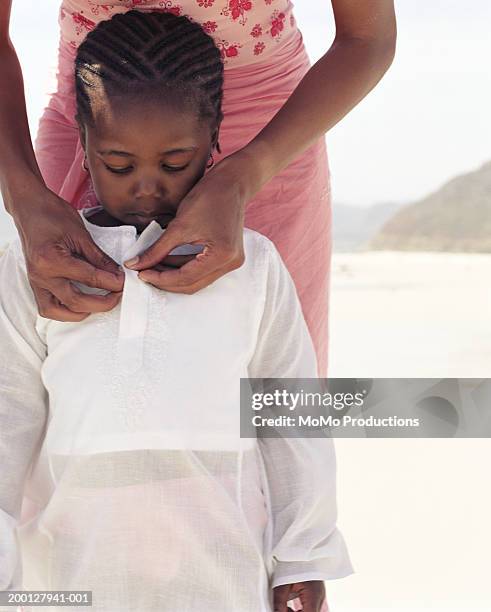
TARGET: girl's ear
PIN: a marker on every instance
(81, 133)
(214, 141)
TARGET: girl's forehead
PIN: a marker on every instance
(121, 109)
(158, 124)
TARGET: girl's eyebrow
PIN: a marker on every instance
(127, 154)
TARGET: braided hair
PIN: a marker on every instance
(150, 55)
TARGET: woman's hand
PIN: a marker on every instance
(211, 214)
(58, 248)
(311, 593)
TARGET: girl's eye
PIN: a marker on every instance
(129, 168)
(118, 170)
(175, 168)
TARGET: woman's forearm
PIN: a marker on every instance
(19, 171)
(336, 83)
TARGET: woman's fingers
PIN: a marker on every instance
(108, 272)
(80, 302)
(51, 308)
(174, 261)
(160, 281)
(71, 267)
(55, 265)
(58, 299)
(58, 249)
(56, 260)
(192, 276)
(69, 304)
(174, 236)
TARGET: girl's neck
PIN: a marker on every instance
(104, 219)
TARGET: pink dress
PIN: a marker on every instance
(264, 60)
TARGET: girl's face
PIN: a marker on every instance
(143, 160)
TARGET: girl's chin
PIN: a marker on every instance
(142, 222)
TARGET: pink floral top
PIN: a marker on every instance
(244, 30)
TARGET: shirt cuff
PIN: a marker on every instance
(329, 568)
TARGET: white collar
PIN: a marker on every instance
(144, 240)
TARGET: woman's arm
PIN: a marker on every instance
(212, 213)
(19, 172)
(52, 233)
(361, 53)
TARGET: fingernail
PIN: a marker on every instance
(131, 262)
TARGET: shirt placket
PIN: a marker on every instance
(134, 304)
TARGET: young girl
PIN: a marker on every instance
(122, 431)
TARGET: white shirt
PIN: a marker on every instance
(122, 470)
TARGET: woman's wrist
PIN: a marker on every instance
(18, 192)
(253, 166)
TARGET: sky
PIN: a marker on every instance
(425, 122)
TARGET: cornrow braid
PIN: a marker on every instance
(151, 54)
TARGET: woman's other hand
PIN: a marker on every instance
(56, 245)
(310, 594)
(211, 214)
(59, 249)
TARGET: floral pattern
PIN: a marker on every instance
(277, 24)
(228, 49)
(166, 6)
(205, 3)
(242, 29)
(256, 30)
(82, 23)
(99, 9)
(259, 48)
(209, 26)
(237, 9)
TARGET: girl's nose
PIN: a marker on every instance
(147, 187)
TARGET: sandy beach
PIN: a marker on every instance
(410, 314)
(414, 512)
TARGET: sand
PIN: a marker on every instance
(400, 314)
(415, 513)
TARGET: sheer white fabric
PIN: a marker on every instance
(122, 468)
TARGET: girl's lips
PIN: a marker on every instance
(153, 216)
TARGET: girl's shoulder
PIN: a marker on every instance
(261, 250)
(257, 245)
(267, 270)
(12, 253)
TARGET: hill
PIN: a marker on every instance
(456, 217)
